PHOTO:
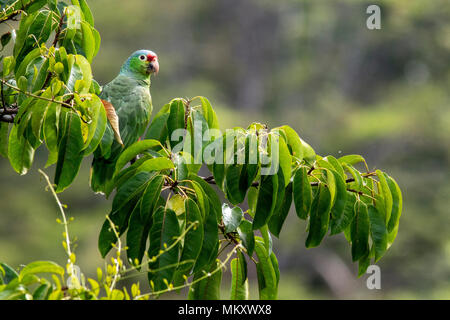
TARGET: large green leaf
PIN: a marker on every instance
(277, 220)
(150, 197)
(378, 231)
(163, 261)
(299, 148)
(387, 195)
(267, 199)
(397, 203)
(130, 189)
(210, 243)
(360, 231)
(175, 120)
(302, 192)
(20, 152)
(156, 164)
(40, 267)
(247, 236)
(69, 153)
(208, 288)
(267, 276)
(132, 151)
(193, 239)
(319, 217)
(239, 281)
(341, 222)
(231, 217)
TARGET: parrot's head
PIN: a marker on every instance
(142, 63)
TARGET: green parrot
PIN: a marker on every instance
(129, 93)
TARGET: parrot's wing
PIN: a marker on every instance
(132, 102)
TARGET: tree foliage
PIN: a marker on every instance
(174, 222)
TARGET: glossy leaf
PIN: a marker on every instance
(20, 152)
(277, 220)
(40, 267)
(267, 277)
(397, 203)
(387, 195)
(302, 193)
(163, 234)
(132, 151)
(378, 231)
(239, 281)
(267, 199)
(69, 153)
(340, 222)
(319, 217)
(231, 217)
(360, 231)
(193, 239)
(247, 236)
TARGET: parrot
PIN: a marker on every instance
(129, 94)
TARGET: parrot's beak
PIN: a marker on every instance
(153, 67)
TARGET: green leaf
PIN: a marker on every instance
(69, 153)
(163, 234)
(193, 239)
(5, 38)
(20, 152)
(231, 217)
(209, 114)
(302, 192)
(137, 234)
(299, 148)
(387, 195)
(358, 179)
(131, 189)
(87, 41)
(119, 218)
(214, 199)
(337, 211)
(210, 243)
(267, 276)
(397, 203)
(378, 232)
(285, 160)
(158, 125)
(341, 222)
(95, 137)
(239, 281)
(150, 197)
(277, 220)
(336, 166)
(7, 273)
(267, 199)
(175, 120)
(132, 151)
(319, 217)
(40, 267)
(360, 231)
(231, 184)
(51, 126)
(42, 292)
(208, 288)
(37, 32)
(156, 164)
(351, 159)
(86, 12)
(247, 236)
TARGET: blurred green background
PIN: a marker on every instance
(312, 65)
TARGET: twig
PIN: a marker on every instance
(64, 223)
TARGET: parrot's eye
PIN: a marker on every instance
(142, 57)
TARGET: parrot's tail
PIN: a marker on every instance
(102, 171)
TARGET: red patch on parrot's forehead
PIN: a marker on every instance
(151, 57)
